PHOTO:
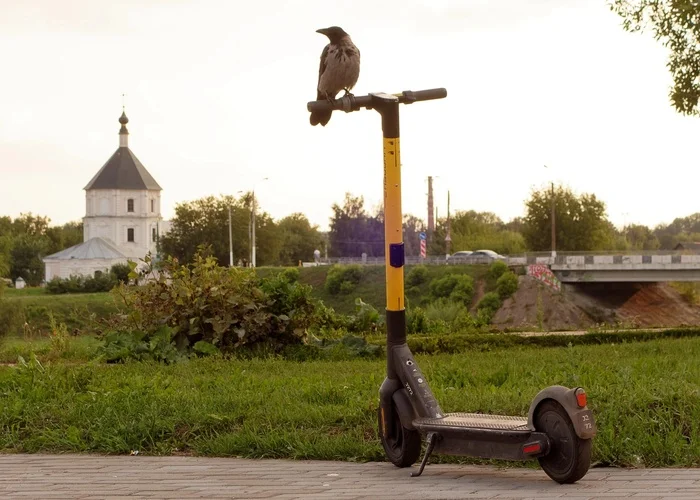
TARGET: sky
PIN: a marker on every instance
(216, 94)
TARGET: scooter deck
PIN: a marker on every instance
(473, 421)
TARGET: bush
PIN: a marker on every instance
(225, 307)
(120, 272)
(338, 275)
(137, 345)
(506, 285)
(487, 307)
(346, 287)
(417, 320)
(459, 287)
(496, 270)
(82, 284)
(417, 276)
(366, 318)
(446, 311)
(290, 274)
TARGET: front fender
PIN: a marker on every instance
(581, 418)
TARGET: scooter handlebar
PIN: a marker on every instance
(352, 103)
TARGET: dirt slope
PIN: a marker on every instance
(579, 306)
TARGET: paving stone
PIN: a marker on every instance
(96, 476)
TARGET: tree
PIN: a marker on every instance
(25, 258)
(33, 225)
(581, 222)
(65, 236)
(412, 227)
(471, 230)
(353, 231)
(5, 249)
(677, 24)
(682, 229)
(639, 237)
(298, 238)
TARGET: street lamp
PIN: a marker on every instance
(252, 238)
(554, 235)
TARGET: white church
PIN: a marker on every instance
(122, 217)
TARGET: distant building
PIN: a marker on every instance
(122, 217)
(689, 246)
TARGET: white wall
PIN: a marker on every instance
(74, 267)
(107, 216)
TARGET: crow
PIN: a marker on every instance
(339, 70)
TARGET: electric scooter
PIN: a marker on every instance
(559, 427)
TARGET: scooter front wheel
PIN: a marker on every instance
(401, 445)
(569, 456)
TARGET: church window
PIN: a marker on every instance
(130, 234)
(130, 205)
(153, 205)
(153, 234)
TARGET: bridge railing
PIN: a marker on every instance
(562, 258)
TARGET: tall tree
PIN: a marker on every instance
(32, 225)
(682, 229)
(25, 258)
(205, 222)
(299, 239)
(353, 231)
(412, 227)
(640, 237)
(676, 23)
(581, 222)
(64, 236)
(472, 230)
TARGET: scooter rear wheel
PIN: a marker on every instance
(569, 456)
(402, 446)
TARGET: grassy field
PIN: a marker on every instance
(645, 396)
(79, 311)
(34, 306)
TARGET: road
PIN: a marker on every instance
(93, 476)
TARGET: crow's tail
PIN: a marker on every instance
(321, 117)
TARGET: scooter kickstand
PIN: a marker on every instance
(432, 438)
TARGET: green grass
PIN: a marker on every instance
(77, 311)
(81, 348)
(24, 292)
(645, 397)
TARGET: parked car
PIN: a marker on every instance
(490, 254)
(461, 255)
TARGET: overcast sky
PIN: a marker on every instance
(217, 92)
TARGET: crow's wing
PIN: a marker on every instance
(321, 69)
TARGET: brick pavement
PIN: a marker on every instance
(95, 476)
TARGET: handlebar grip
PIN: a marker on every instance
(410, 96)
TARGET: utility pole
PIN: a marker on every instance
(448, 237)
(431, 221)
(252, 230)
(230, 239)
(252, 255)
(554, 233)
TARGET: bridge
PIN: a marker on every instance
(616, 267)
(581, 267)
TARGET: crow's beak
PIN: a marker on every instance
(323, 31)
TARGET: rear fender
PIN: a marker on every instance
(581, 418)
